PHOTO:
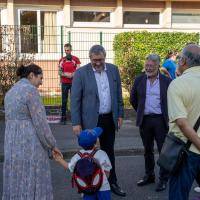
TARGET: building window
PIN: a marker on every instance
(1, 37)
(131, 17)
(28, 32)
(38, 32)
(86, 16)
(185, 18)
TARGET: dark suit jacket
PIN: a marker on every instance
(138, 96)
(85, 98)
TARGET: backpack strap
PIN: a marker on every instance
(80, 154)
(195, 127)
(87, 154)
(93, 152)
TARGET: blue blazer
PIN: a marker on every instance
(138, 96)
(85, 98)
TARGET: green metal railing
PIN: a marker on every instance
(46, 45)
(61, 41)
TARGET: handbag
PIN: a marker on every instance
(174, 152)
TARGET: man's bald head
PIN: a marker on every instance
(192, 55)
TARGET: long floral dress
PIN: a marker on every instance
(28, 138)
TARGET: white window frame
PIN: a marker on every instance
(143, 26)
(93, 24)
(4, 21)
(1, 16)
(1, 25)
(40, 55)
(186, 25)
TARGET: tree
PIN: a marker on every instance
(10, 60)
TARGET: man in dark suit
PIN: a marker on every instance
(96, 100)
(149, 99)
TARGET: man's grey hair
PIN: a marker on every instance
(154, 57)
(192, 57)
(97, 49)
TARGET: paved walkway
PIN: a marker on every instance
(128, 140)
(129, 170)
(128, 144)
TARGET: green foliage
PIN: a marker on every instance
(10, 60)
(126, 100)
(131, 49)
(48, 100)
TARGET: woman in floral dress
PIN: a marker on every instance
(28, 139)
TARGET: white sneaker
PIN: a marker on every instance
(197, 189)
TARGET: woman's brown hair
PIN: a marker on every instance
(24, 71)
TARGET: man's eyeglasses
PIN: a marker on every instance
(180, 57)
(98, 60)
(150, 66)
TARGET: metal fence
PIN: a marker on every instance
(46, 45)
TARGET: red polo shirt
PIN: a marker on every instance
(68, 66)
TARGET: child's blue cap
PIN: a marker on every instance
(88, 137)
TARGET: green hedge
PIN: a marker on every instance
(131, 48)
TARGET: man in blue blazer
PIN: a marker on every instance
(149, 99)
(96, 100)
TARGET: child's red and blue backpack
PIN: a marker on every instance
(87, 175)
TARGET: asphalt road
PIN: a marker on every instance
(129, 170)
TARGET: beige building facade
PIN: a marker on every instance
(106, 14)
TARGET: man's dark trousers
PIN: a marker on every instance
(153, 127)
(107, 140)
(66, 87)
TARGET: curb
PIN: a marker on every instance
(129, 114)
(118, 152)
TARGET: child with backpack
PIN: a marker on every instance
(90, 167)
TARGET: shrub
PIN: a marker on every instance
(131, 49)
(10, 60)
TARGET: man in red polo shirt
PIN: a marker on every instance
(67, 68)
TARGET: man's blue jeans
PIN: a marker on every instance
(180, 185)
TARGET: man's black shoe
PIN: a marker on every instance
(117, 190)
(146, 180)
(162, 185)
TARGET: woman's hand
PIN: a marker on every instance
(56, 151)
(60, 160)
(57, 157)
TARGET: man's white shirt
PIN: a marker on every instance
(103, 91)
